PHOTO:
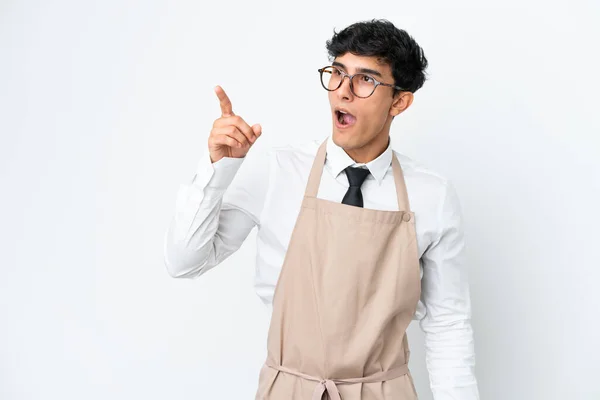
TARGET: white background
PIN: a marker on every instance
(106, 106)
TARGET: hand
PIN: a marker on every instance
(230, 136)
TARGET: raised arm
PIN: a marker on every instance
(206, 228)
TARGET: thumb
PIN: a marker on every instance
(257, 129)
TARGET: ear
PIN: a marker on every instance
(402, 101)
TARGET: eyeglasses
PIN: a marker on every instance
(361, 85)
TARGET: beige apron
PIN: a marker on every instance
(348, 288)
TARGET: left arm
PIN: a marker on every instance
(449, 345)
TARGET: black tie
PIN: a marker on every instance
(356, 177)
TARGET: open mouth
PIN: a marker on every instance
(344, 118)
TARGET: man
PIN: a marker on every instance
(354, 239)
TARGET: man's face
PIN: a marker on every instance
(372, 115)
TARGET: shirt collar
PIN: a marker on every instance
(338, 160)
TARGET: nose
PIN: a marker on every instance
(344, 91)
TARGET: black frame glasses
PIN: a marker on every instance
(350, 77)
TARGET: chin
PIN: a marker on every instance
(338, 139)
(345, 140)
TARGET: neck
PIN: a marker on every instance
(370, 150)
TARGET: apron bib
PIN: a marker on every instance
(347, 291)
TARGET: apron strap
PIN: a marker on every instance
(401, 192)
(316, 172)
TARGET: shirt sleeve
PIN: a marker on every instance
(449, 344)
(206, 227)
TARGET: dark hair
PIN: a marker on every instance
(380, 38)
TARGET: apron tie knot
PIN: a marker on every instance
(326, 385)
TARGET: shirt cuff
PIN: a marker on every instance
(218, 175)
(467, 392)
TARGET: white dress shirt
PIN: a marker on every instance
(225, 200)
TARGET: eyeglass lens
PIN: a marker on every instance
(362, 85)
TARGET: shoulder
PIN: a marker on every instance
(431, 193)
(421, 173)
(264, 156)
(301, 151)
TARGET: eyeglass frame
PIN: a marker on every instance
(344, 74)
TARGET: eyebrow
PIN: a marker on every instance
(359, 69)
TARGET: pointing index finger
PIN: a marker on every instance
(226, 110)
